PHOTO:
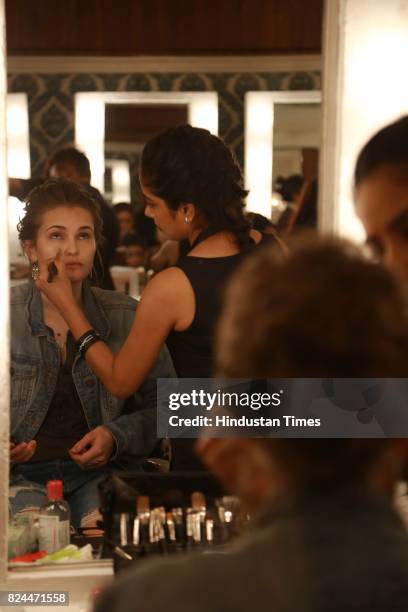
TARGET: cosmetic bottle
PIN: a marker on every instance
(54, 519)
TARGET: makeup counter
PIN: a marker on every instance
(145, 515)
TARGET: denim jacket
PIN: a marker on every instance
(35, 363)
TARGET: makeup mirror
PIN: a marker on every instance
(282, 136)
(90, 113)
(127, 128)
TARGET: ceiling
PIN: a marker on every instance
(163, 27)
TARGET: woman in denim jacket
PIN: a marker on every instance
(64, 423)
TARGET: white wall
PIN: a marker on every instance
(4, 308)
(365, 86)
(295, 127)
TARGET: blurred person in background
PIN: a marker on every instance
(265, 226)
(135, 250)
(166, 255)
(324, 535)
(168, 252)
(303, 215)
(260, 223)
(381, 195)
(125, 218)
(289, 188)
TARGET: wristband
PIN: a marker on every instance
(87, 340)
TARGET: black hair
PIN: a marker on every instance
(123, 207)
(145, 227)
(289, 187)
(189, 164)
(72, 157)
(133, 239)
(259, 222)
(389, 147)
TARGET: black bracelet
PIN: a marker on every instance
(87, 340)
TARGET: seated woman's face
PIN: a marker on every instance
(69, 230)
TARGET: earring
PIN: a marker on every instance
(186, 219)
(35, 271)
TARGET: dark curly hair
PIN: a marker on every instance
(189, 164)
(50, 194)
(388, 147)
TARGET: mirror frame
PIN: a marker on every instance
(259, 120)
(18, 161)
(121, 179)
(90, 118)
(15, 154)
(4, 310)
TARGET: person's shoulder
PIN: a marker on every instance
(194, 581)
(184, 582)
(20, 294)
(114, 299)
(167, 294)
(167, 282)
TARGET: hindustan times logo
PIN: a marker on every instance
(224, 399)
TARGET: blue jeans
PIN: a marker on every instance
(28, 486)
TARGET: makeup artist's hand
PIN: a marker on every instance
(94, 449)
(59, 290)
(22, 451)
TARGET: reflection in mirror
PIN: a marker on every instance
(282, 136)
(4, 309)
(18, 161)
(117, 180)
(296, 140)
(202, 111)
(18, 164)
(127, 128)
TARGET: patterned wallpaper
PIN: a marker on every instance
(51, 100)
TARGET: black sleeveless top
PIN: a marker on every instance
(192, 349)
(65, 423)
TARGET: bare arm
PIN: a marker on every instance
(156, 315)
